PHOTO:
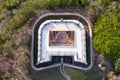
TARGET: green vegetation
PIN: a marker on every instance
(9, 4)
(60, 3)
(107, 32)
(25, 13)
(117, 65)
(82, 2)
(103, 68)
(104, 2)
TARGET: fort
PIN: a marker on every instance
(62, 39)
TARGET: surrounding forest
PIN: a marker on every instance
(17, 17)
(107, 34)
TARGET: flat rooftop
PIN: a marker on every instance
(61, 38)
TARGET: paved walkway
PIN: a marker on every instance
(63, 71)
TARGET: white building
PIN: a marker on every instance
(61, 38)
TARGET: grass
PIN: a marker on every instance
(54, 74)
(50, 74)
(76, 74)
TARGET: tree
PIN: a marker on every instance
(107, 33)
(117, 65)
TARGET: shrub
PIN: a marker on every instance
(9, 4)
(73, 2)
(82, 2)
(60, 3)
(117, 65)
(9, 54)
(104, 2)
(107, 34)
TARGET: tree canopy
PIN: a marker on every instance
(107, 32)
